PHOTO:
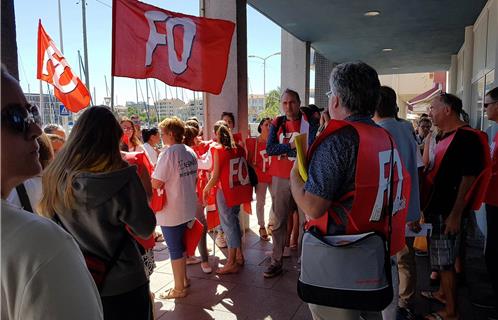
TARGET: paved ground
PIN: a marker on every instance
(247, 295)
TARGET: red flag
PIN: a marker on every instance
(181, 50)
(53, 68)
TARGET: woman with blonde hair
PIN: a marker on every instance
(176, 174)
(231, 176)
(93, 194)
(131, 137)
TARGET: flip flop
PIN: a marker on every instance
(429, 295)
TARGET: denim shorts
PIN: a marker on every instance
(174, 240)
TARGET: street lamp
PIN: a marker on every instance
(264, 73)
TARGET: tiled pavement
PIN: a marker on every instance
(247, 295)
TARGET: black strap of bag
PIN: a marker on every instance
(24, 198)
(109, 264)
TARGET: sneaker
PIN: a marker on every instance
(272, 271)
(220, 240)
(404, 314)
(193, 260)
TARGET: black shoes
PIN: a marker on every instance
(272, 271)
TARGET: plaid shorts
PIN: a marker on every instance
(443, 248)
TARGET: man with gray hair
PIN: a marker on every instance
(345, 153)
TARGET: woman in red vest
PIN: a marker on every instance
(260, 161)
(231, 176)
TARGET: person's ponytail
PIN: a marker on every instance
(225, 136)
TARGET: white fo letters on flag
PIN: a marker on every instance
(53, 55)
(177, 66)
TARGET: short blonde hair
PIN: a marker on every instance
(174, 125)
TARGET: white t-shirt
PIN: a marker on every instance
(44, 275)
(177, 168)
(150, 153)
(33, 189)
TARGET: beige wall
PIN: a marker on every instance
(407, 86)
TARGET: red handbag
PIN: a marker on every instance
(192, 236)
(158, 200)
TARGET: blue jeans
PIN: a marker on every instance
(174, 240)
(229, 218)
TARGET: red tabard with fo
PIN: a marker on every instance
(53, 68)
(372, 185)
(181, 50)
(281, 165)
(234, 176)
(259, 159)
(492, 192)
(477, 192)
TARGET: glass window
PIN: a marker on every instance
(490, 78)
(476, 107)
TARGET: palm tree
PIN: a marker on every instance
(9, 43)
(272, 105)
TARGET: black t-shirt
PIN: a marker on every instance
(464, 157)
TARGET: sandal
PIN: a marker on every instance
(263, 235)
(159, 238)
(173, 294)
(429, 295)
(228, 269)
(434, 316)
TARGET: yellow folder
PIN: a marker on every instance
(301, 142)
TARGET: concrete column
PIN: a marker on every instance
(233, 97)
(468, 58)
(453, 75)
(295, 66)
(323, 68)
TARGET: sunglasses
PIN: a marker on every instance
(487, 104)
(329, 94)
(19, 117)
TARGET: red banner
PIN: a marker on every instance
(53, 68)
(181, 50)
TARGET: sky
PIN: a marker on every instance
(263, 37)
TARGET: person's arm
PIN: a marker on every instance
(214, 177)
(313, 206)
(454, 219)
(136, 212)
(274, 148)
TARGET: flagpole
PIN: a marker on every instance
(112, 93)
(136, 89)
(79, 63)
(147, 102)
(60, 26)
(42, 107)
(85, 46)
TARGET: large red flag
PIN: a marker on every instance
(53, 68)
(181, 50)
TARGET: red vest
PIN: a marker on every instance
(259, 159)
(475, 195)
(281, 165)
(492, 192)
(234, 176)
(372, 185)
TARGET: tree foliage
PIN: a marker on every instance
(272, 104)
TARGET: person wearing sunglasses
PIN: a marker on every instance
(43, 274)
(491, 200)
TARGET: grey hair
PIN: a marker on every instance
(357, 86)
(51, 127)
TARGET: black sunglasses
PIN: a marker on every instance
(487, 104)
(19, 117)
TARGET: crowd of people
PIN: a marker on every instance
(90, 201)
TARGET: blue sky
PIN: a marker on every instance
(263, 39)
